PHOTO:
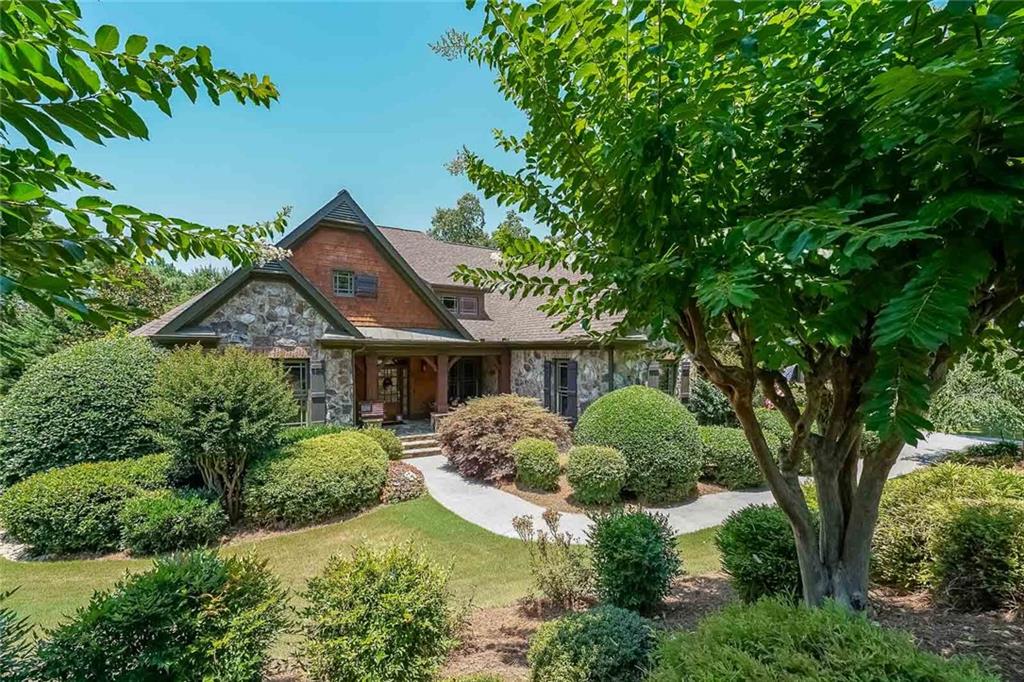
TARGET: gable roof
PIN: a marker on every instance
(178, 321)
(343, 209)
(506, 319)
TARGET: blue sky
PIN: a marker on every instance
(365, 105)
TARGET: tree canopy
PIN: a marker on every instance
(838, 186)
(59, 87)
(466, 224)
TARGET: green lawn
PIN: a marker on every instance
(488, 569)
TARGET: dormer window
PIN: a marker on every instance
(462, 306)
(344, 283)
(451, 303)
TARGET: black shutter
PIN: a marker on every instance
(366, 286)
(317, 392)
(572, 409)
(549, 397)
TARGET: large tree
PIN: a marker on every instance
(833, 185)
(59, 86)
(463, 224)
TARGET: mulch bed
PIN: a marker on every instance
(497, 639)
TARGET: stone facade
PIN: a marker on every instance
(268, 315)
(592, 371)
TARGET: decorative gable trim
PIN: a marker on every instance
(343, 209)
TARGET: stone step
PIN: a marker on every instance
(422, 443)
(416, 436)
(423, 451)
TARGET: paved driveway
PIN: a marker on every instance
(494, 509)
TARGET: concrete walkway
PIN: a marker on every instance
(494, 509)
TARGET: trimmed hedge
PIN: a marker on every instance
(315, 480)
(596, 473)
(729, 459)
(1004, 454)
(536, 463)
(773, 640)
(383, 615)
(605, 644)
(634, 557)
(293, 434)
(162, 521)
(83, 404)
(978, 554)
(477, 438)
(387, 440)
(759, 554)
(77, 508)
(193, 616)
(657, 436)
(911, 507)
(772, 422)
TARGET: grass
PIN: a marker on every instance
(487, 569)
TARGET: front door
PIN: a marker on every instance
(393, 388)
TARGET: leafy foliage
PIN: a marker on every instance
(728, 459)
(82, 404)
(315, 479)
(168, 521)
(293, 434)
(17, 663)
(827, 644)
(759, 554)
(63, 86)
(561, 571)
(404, 482)
(463, 224)
(634, 557)
(1005, 454)
(978, 554)
(976, 398)
(604, 644)
(596, 473)
(215, 617)
(825, 185)
(382, 614)
(708, 404)
(218, 410)
(477, 438)
(655, 434)
(77, 508)
(536, 463)
(386, 439)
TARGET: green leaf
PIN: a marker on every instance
(107, 38)
(135, 44)
(23, 191)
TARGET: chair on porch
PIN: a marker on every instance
(371, 413)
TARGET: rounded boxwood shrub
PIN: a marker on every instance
(773, 640)
(634, 557)
(192, 616)
(977, 553)
(536, 463)
(77, 508)
(315, 479)
(167, 521)
(605, 644)
(293, 434)
(384, 615)
(596, 473)
(387, 440)
(910, 509)
(657, 436)
(759, 553)
(729, 459)
(477, 438)
(82, 404)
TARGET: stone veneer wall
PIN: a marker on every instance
(592, 368)
(266, 314)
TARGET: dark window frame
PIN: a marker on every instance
(348, 292)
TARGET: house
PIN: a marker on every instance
(361, 315)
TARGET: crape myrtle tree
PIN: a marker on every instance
(833, 185)
(59, 87)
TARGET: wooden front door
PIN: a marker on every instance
(393, 388)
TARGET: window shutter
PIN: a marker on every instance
(468, 306)
(317, 392)
(572, 409)
(549, 371)
(366, 286)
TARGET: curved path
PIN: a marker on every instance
(494, 509)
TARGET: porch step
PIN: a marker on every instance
(420, 445)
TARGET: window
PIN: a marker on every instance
(464, 380)
(297, 373)
(462, 306)
(344, 283)
(451, 303)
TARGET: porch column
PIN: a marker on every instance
(441, 385)
(505, 371)
(371, 377)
